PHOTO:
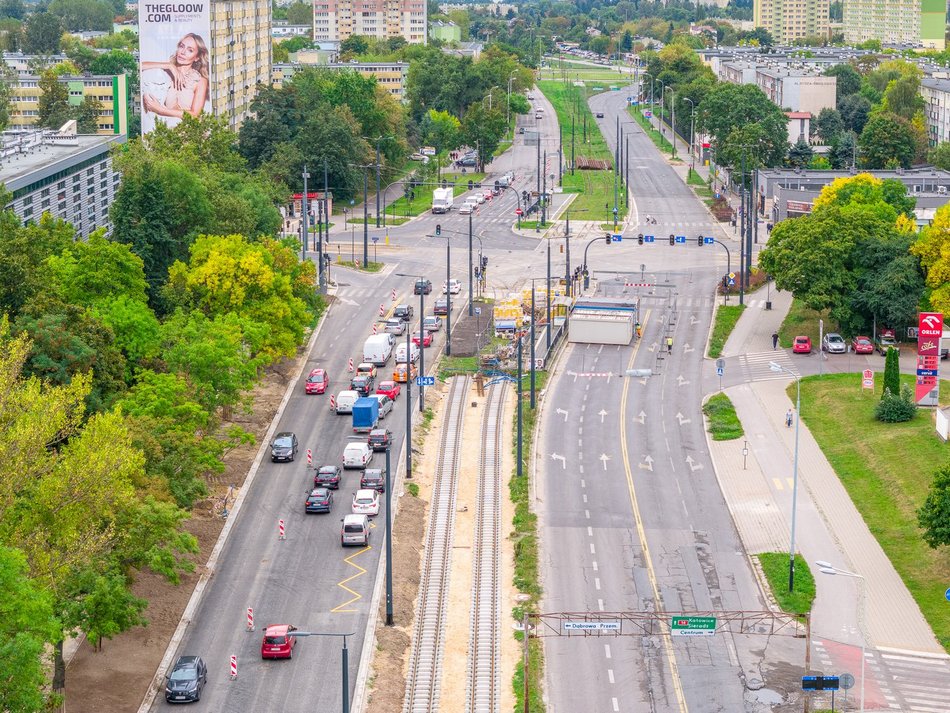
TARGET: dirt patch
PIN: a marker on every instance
(117, 678)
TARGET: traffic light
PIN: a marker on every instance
(699, 241)
(640, 239)
(672, 239)
(484, 261)
(476, 272)
(607, 237)
(471, 185)
(438, 229)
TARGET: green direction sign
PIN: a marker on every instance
(693, 626)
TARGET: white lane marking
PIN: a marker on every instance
(610, 675)
(587, 514)
(607, 650)
(616, 705)
(592, 550)
(594, 563)
(600, 604)
(590, 531)
(597, 583)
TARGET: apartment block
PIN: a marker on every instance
(936, 94)
(389, 75)
(914, 23)
(798, 91)
(240, 56)
(109, 92)
(791, 20)
(335, 20)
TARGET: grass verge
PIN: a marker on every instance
(724, 424)
(404, 209)
(775, 568)
(887, 471)
(694, 179)
(451, 366)
(655, 136)
(802, 320)
(413, 489)
(368, 267)
(726, 318)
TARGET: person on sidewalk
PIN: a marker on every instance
(669, 345)
(788, 418)
(774, 340)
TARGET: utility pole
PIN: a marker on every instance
(448, 297)
(569, 283)
(539, 162)
(520, 456)
(560, 154)
(742, 255)
(626, 175)
(365, 220)
(304, 234)
(544, 190)
(547, 292)
(377, 180)
(471, 276)
(572, 144)
(321, 271)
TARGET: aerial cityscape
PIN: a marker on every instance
(475, 356)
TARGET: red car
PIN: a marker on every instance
(862, 345)
(278, 643)
(802, 345)
(317, 382)
(390, 388)
(426, 340)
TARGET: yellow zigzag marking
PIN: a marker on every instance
(342, 584)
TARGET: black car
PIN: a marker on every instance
(422, 287)
(319, 500)
(284, 447)
(600, 115)
(441, 306)
(403, 312)
(373, 479)
(363, 384)
(328, 476)
(380, 439)
(186, 681)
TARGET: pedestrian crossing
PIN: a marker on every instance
(755, 365)
(913, 683)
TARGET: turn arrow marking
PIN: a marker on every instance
(602, 413)
(679, 417)
(560, 411)
(555, 456)
(680, 381)
(693, 465)
(647, 463)
(603, 459)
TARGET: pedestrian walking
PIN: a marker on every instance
(774, 340)
(669, 345)
(788, 419)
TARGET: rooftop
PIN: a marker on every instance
(28, 156)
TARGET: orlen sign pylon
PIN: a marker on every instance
(929, 331)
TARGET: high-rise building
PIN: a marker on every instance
(791, 20)
(110, 94)
(335, 20)
(240, 56)
(919, 23)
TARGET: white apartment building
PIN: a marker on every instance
(791, 20)
(240, 56)
(936, 94)
(335, 20)
(795, 90)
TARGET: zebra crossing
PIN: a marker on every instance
(755, 365)
(914, 684)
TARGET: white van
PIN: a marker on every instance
(378, 348)
(354, 531)
(357, 454)
(345, 401)
(401, 353)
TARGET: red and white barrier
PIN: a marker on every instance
(349, 366)
(233, 667)
(382, 310)
(357, 264)
(375, 327)
(332, 402)
(309, 457)
(250, 619)
(280, 530)
(394, 294)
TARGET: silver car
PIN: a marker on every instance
(395, 326)
(833, 343)
(385, 405)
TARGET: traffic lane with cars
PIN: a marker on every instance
(296, 580)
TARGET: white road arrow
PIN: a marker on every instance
(560, 411)
(693, 320)
(642, 418)
(602, 413)
(653, 347)
(687, 349)
(693, 465)
(347, 301)
(555, 456)
(647, 463)
(680, 381)
(603, 459)
(681, 419)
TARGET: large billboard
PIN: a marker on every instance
(929, 333)
(174, 42)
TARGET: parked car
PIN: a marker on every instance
(187, 680)
(422, 287)
(833, 343)
(801, 345)
(366, 368)
(385, 404)
(328, 476)
(395, 326)
(432, 323)
(317, 382)
(277, 643)
(362, 384)
(441, 306)
(379, 439)
(426, 339)
(284, 447)
(454, 285)
(373, 479)
(390, 388)
(886, 340)
(357, 454)
(355, 531)
(366, 502)
(862, 345)
(319, 500)
(402, 374)
(520, 129)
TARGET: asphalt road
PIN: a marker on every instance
(632, 516)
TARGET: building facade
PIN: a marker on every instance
(797, 90)
(389, 75)
(240, 56)
(335, 20)
(60, 173)
(936, 94)
(916, 23)
(791, 20)
(109, 92)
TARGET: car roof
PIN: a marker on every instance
(276, 629)
(316, 371)
(320, 491)
(366, 493)
(187, 661)
(378, 431)
(354, 518)
(329, 467)
(387, 383)
(356, 444)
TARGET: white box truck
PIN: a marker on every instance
(442, 200)
(377, 349)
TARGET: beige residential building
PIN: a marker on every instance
(918, 23)
(240, 56)
(335, 20)
(795, 90)
(109, 92)
(389, 75)
(791, 20)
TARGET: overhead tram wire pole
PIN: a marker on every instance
(389, 532)
(422, 347)
(471, 277)
(672, 121)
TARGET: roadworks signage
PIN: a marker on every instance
(693, 626)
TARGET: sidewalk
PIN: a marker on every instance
(828, 526)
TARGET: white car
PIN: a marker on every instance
(454, 285)
(366, 502)
(357, 454)
(479, 198)
(395, 326)
(465, 209)
(432, 323)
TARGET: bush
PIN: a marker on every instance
(892, 373)
(896, 408)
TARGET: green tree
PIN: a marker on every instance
(135, 326)
(101, 605)
(828, 125)
(42, 33)
(53, 108)
(86, 114)
(848, 81)
(843, 151)
(441, 130)
(79, 15)
(300, 13)
(23, 250)
(934, 515)
(88, 272)
(354, 46)
(939, 156)
(12, 8)
(118, 61)
(902, 97)
(279, 53)
(892, 374)
(800, 155)
(739, 116)
(483, 128)
(887, 141)
(855, 111)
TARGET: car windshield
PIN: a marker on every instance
(275, 640)
(316, 379)
(864, 341)
(283, 442)
(328, 470)
(364, 501)
(183, 674)
(835, 338)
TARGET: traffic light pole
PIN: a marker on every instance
(471, 303)
(586, 248)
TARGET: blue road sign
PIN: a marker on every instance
(708, 241)
(375, 239)
(425, 381)
(719, 371)
(478, 310)
(618, 237)
(947, 595)
(649, 238)
(731, 282)
(681, 238)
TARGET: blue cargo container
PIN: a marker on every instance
(365, 414)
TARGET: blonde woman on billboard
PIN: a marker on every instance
(188, 70)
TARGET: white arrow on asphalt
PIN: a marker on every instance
(687, 349)
(693, 320)
(647, 463)
(603, 459)
(693, 465)
(555, 456)
(560, 411)
(642, 417)
(347, 301)
(602, 413)
(681, 419)
(653, 347)
(680, 381)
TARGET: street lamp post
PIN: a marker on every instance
(672, 121)
(448, 297)
(422, 345)
(662, 102)
(508, 113)
(389, 536)
(692, 116)
(304, 234)
(471, 302)
(344, 658)
(828, 568)
(775, 366)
